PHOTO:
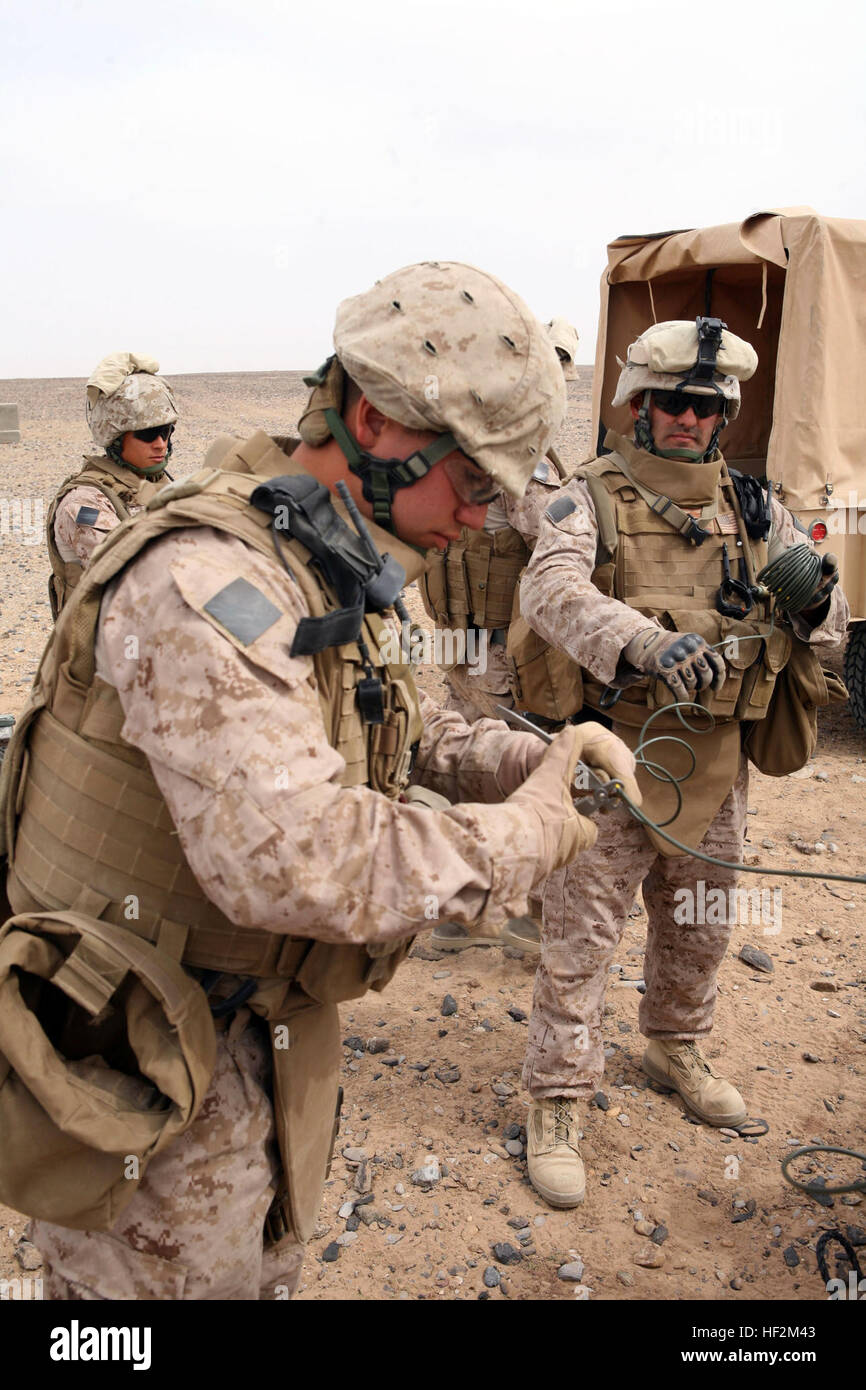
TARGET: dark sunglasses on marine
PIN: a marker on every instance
(678, 402)
(157, 432)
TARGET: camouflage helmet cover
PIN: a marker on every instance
(662, 357)
(443, 346)
(124, 393)
(565, 339)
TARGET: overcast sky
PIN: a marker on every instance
(205, 181)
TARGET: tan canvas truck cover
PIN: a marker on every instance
(791, 283)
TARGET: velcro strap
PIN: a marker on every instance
(90, 975)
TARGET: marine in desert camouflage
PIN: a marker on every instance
(240, 697)
(132, 414)
(624, 579)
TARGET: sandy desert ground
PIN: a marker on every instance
(794, 1040)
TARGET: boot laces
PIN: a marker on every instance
(697, 1058)
(563, 1122)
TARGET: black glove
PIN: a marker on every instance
(681, 659)
(827, 581)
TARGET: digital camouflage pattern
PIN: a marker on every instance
(77, 540)
(123, 396)
(193, 1230)
(241, 755)
(474, 692)
(585, 912)
(586, 905)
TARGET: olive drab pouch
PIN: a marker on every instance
(107, 1047)
(785, 738)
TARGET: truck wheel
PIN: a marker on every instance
(855, 674)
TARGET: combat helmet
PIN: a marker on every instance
(565, 339)
(125, 394)
(441, 346)
(701, 357)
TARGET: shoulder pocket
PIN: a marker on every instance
(247, 616)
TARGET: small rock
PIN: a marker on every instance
(644, 1227)
(346, 1210)
(29, 1257)
(601, 1100)
(346, 1238)
(502, 1088)
(511, 1131)
(449, 1006)
(736, 1282)
(824, 933)
(759, 960)
(625, 1277)
(790, 1256)
(624, 1120)
(811, 1057)
(428, 1172)
(517, 1014)
(353, 1223)
(572, 1272)
(331, 1253)
(650, 1257)
(822, 777)
(825, 986)
(441, 974)
(506, 1254)
(518, 1223)
(448, 1075)
(514, 1147)
(730, 1133)
(354, 1043)
(377, 1045)
(353, 1155)
(491, 1277)
(659, 1235)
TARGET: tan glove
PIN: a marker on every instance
(681, 659)
(548, 791)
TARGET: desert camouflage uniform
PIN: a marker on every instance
(586, 904)
(76, 541)
(472, 691)
(242, 758)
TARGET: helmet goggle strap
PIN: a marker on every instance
(382, 478)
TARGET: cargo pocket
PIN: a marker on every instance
(760, 674)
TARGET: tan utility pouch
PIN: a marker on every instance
(785, 739)
(546, 681)
(107, 1048)
(306, 1053)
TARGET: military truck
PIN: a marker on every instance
(793, 283)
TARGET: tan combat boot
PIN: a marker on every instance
(552, 1153)
(448, 936)
(523, 934)
(683, 1067)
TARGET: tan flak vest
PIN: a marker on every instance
(86, 826)
(473, 582)
(659, 572)
(124, 488)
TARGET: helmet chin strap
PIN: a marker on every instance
(114, 453)
(382, 478)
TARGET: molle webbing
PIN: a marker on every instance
(472, 583)
(94, 831)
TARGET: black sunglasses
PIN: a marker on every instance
(158, 432)
(678, 402)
